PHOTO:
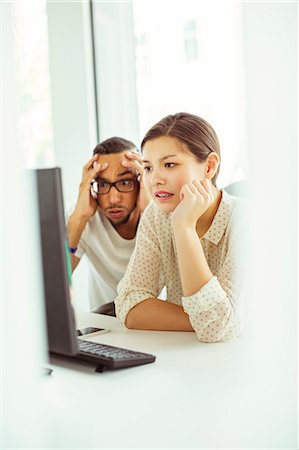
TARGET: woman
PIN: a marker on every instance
(187, 238)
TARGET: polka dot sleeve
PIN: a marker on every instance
(144, 277)
(214, 311)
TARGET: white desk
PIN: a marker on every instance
(194, 396)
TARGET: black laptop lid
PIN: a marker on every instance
(61, 326)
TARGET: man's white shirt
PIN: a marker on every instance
(107, 255)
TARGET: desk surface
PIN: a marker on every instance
(195, 395)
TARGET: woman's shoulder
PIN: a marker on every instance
(233, 203)
(237, 211)
(152, 210)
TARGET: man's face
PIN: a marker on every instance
(117, 206)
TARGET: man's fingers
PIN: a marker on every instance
(91, 174)
(133, 164)
(133, 155)
(89, 164)
(97, 169)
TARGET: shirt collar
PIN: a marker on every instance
(220, 221)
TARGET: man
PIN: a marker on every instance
(104, 221)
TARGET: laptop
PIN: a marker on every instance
(61, 325)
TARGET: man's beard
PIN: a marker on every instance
(121, 222)
(115, 222)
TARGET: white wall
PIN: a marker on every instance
(22, 314)
(115, 70)
(72, 89)
(73, 106)
(270, 53)
(74, 95)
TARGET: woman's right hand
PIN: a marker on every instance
(196, 198)
(87, 205)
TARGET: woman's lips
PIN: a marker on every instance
(163, 196)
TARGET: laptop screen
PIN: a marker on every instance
(61, 325)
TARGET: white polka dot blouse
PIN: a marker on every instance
(214, 311)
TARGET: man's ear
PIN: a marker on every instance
(212, 164)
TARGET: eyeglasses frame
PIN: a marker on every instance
(114, 184)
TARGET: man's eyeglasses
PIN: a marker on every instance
(103, 187)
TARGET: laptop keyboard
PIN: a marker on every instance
(112, 357)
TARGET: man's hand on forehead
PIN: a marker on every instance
(94, 167)
(133, 162)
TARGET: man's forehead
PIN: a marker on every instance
(115, 169)
(112, 158)
(114, 162)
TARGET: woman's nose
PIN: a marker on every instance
(157, 177)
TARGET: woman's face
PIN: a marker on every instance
(168, 165)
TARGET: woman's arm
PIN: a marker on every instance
(144, 277)
(193, 267)
(155, 314)
(196, 199)
(212, 302)
(216, 309)
(137, 305)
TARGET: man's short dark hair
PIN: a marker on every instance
(114, 145)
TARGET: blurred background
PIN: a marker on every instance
(76, 72)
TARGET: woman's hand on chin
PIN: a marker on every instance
(196, 198)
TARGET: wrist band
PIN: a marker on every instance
(73, 249)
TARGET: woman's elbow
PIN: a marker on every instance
(207, 338)
(130, 321)
(211, 339)
(210, 335)
(136, 317)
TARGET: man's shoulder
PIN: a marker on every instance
(93, 223)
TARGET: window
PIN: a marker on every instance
(154, 59)
(189, 58)
(32, 62)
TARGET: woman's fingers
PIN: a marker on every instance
(201, 189)
(198, 188)
(207, 184)
(186, 192)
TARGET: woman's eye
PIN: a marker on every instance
(146, 168)
(170, 165)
